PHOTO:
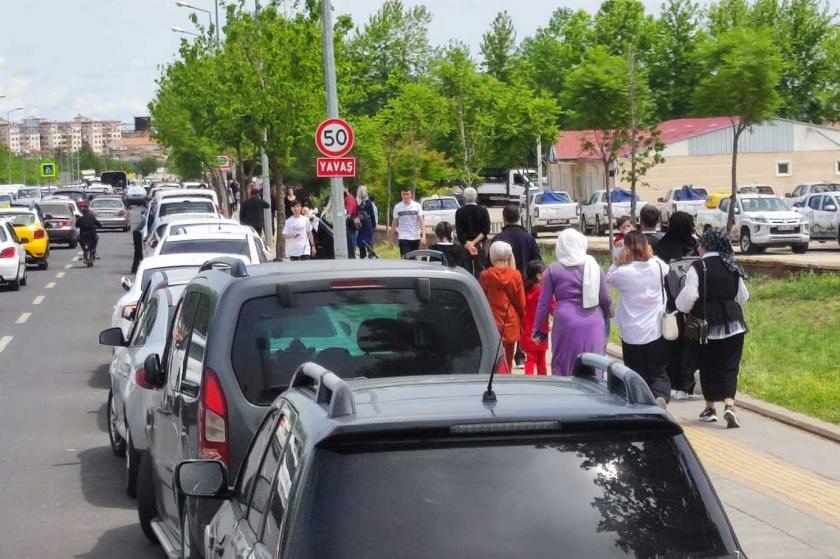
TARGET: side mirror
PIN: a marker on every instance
(737, 210)
(112, 337)
(152, 372)
(202, 478)
(660, 200)
(126, 282)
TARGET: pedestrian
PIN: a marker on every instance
(290, 201)
(367, 218)
(300, 244)
(505, 291)
(624, 224)
(582, 311)
(535, 351)
(649, 221)
(639, 278)
(233, 186)
(676, 244)
(354, 223)
(252, 210)
(409, 225)
(524, 244)
(456, 255)
(472, 227)
(715, 293)
(137, 239)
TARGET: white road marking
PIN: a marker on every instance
(68, 266)
(59, 275)
(38, 300)
(80, 253)
(23, 317)
(50, 285)
(4, 341)
(77, 258)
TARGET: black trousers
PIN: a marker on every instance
(301, 257)
(651, 362)
(720, 361)
(137, 237)
(682, 360)
(407, 246)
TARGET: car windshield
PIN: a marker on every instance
(602, 497)
(56, 210)
(23, 218)
(440, 204)
(763, 205)
(354, 333)
(186, 207)
(106, 204)
(219, 246)
(31, 193)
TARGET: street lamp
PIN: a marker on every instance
(9, 134)
(184, 31)
(182, 4)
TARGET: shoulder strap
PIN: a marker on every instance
(705, 287)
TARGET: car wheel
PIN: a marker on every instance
(800, 248)
(598, 226)
(747, 246)
(146, 505)
(45, 263)
(73, 244)
(23, 277)
(132, 464)
(117, 442)
(14, 285)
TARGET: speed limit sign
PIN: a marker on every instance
(334, 137)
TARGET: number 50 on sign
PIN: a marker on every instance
(334, 137)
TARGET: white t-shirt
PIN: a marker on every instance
(300, 226)
(408, 220)
(641, 299)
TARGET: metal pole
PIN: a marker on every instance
(9, 142)
(266, 177)
(336, 184)
(218, 40)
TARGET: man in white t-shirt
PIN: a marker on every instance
(409, 226)
(300, 244)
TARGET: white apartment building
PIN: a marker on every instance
(71, 133)
(10, 135)
(92, 133)
(112, 134)
(35, 135)
(51, 136)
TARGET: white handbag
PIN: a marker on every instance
(670, 328)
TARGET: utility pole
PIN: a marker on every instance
(266, 177)
(339, 217)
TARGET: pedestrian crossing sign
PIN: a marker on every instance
(48, 170)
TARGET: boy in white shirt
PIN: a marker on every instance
(300, 244)
(409, 225)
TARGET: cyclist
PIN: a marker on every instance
(88, 225)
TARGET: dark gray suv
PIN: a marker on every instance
(240, 333)
(428, 467)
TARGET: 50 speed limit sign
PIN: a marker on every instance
(334, 137)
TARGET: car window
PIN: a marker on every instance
(3, 235)
(283, 487)
(353, 332)
(431, 205)
(106, 204)
(145, 324)
(173, 245)
(798, 191)
(56, 210)
(829, 201)
(186, 207)
(724, 204)
(632, 496)
(198, 343)
(763, 205)
(20, 219)
(12, 233)
(180, 338)
(248, 472)
(814, 202)
(265, 476)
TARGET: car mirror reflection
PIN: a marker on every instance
(202, 478)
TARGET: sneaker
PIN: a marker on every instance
(661, 402)
(709, 415)
(730, 418)
(680, 395)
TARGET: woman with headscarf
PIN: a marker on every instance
(679, 241)
(715, 292)
(505, 291)
(367, 217)
(582, 310)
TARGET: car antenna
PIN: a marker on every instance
(489, 396)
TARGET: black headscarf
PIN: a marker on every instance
(679, 241)
(717, 240)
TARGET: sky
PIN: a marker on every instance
(100, 58)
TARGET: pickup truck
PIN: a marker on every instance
(761, 221)
(552, 210)
(688, 199)
(439, 208)
(505, 186)
(823, 214)
(796, 199)
(594, 211)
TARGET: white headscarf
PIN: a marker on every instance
(571, 251)
(501, 251)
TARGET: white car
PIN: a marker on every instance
(12, 257)
(178, 205)
(796, 199)
(183, 221)
(439, 208)
(101, 188)
(552, 210)
(594, 211)
(236, 243)
(823, 214)
(689, 199)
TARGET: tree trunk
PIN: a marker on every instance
(633, 184)
(388, 209)
(463, 133)
(730, 219)
(609, 206)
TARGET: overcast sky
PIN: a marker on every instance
(59, 58)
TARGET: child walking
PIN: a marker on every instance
(534, 351)
(502, 284)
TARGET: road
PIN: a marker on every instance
(61, 493)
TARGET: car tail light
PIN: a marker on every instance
(355, 284)
(212, 420)
(674, 206)
(66, 223)
(140, 379)
(39, 234)
(9, 252)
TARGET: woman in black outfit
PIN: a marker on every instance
(715, 291)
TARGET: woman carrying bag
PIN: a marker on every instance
(712, 298)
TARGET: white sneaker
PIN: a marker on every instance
(680, 395)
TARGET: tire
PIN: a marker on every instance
(117, 442)
(73, 244)
(23, 278)
(598, 226)
(132, 467)
(44, 264)
(747, 247)
(799, 249)
(14, 285)
(146, 504)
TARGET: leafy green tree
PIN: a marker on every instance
(622, 24)
(146, 166)
(742, 68)
(725, 15)
(498, 47)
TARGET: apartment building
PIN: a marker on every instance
(10, 135)
(34, 135)
(92, 133)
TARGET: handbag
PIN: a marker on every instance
(670, 328)
(697, 329)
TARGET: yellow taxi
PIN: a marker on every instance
(28, 225)
(714, 198)
(5, 200)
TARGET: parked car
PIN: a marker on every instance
(177, 206)
(129, 396)
(111, 212)
(183, 223)
(761, 221)
(242, 243)
(505, 186)
(801, 192)
(420, 468)
(135, 195)
(756, 189)
(75, 194)
(32, 234)
(12, 257)
(29, 193)
(594, 210)
(60, 221)
(551, 210)
(823, 214)
(376, 318)
(6, 200)
(439, 208)
(689, 199)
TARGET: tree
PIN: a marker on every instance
(742, 69)
(725, 15)
(621, 25)
(497, 47)
(146, 166)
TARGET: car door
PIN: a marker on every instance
(124, 361)
(21, 252)
(813, 205)
(829, 212)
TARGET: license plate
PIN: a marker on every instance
(786, 227)
(557, 221)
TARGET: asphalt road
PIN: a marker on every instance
(61, 492)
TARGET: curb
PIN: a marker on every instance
(800, 421)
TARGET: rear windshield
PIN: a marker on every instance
(354, 333)
(20, 219)
(174, 272)
(220, 246)
(73, 194)
(56, 210)
(826, 188)
(186, 207)
(555, 197)
(33, 193)
(109, 204)
(604, 498)
(686, 194)
(442, 204)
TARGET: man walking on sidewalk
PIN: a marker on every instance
(409, 226)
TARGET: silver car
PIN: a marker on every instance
(111, 212)
(129, 395)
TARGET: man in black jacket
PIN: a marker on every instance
(472, 226)
(251, 211)
(524, 244)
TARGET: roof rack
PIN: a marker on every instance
(331, 391)
(232, 265)
(621, 380)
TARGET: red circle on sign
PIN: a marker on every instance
(334, 137)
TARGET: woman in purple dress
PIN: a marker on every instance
(582, 312)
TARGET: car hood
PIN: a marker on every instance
(775, 215)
